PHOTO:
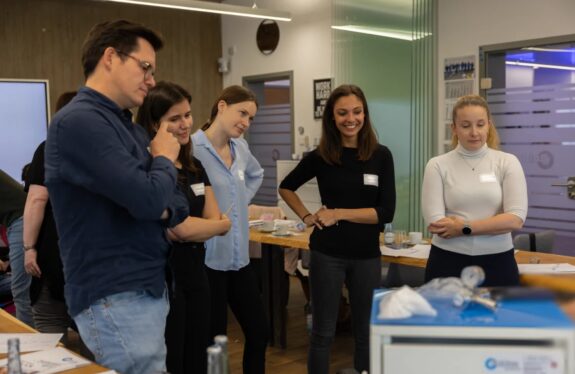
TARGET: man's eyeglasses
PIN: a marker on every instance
(145, 65)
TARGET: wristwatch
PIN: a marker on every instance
(29, 247)
(466, 230)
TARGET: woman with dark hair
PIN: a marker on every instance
(473, 198)
(42, 255)
(356, 183)
(187, 327)
(236, 175)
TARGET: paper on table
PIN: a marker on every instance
(50, 361)
(30, 342)
(546, 268)
(417, 251)
(256, 222)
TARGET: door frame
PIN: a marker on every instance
(484, 50)
(284, 75)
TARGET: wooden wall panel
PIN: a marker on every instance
(41, 39)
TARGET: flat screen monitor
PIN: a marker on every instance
(24, 118)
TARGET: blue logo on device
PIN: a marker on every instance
(490, 363)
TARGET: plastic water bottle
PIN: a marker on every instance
(222, 342)
(14, 364)
(388, 234)
(215, 360)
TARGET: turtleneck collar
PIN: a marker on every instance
(471, 154)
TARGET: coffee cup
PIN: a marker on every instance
(268, 226)
(415, 237)
(282, 230)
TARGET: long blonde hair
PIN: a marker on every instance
(475, 100)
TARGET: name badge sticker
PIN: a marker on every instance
(198, 188)
(371, 180)
(487, 178)
(241, 175)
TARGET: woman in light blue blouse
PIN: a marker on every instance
(235, 175)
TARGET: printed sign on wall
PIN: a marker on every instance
(321, 92)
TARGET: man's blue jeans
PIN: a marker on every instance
(125, 332)
(20, 279)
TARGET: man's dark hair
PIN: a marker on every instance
(121, 35)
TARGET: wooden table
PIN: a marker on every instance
(9, 324)
(274, 282)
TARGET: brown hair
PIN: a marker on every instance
(121, 35)
(157, 103)
(231, 95)
(475, 100)
(330, 146)
(65, 99)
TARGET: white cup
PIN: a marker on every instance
(415, 237)
(282, 230)
(268, 226)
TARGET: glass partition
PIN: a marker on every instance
(387, 48)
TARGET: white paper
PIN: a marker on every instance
(50, 361)
(546, 268)
(30, 342)
(284, 222)
(256, 222)
(417, 251)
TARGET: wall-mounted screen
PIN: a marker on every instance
(24, 118)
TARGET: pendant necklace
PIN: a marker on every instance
(472, 167)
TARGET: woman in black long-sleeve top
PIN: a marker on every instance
(187, 327)
(356, 183)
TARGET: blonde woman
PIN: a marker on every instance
(473, 198)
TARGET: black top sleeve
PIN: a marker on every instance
(36, 171)
(385, 207)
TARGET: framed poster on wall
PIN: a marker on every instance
(321, 92)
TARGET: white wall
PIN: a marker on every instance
(305, 48)
(465, 25)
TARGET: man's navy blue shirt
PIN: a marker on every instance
(108, 194)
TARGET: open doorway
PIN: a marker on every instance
(532, 99)
(270, 135)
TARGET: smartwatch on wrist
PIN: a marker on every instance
(466, 230)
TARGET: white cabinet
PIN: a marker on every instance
(521, 336)
(308, 193)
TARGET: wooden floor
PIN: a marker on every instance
(293, 359)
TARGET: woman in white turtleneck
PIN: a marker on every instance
(472, 199)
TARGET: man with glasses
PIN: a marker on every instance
(113, 192)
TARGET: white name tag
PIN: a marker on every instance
(371, 180)
(241, 175)
(198, 188)
(487, 178)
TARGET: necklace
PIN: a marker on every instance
(472, 167)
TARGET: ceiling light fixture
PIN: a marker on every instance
(539, 49)
(544, 66)
(387, 33)
(209, 7)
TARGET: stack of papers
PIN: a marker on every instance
(30, 342)
(546, 268)
(417, 251)
(256, 222)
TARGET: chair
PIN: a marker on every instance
(541, 241)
